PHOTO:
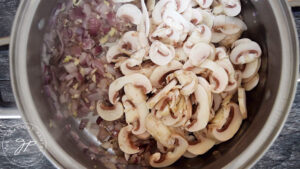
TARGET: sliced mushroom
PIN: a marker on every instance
(187, 79)
(132, 41)
(230, 39)
(231, 120)
(187, 113)
(182, 5)
(138, 98)
(202, 145)
(150, 5)
(251, 69)
(201, 33)
(160, 8)
(204, 83)
(130, 110)
(180, 55)
(160, 53)
(219, 76)
(221, 53)
(124, 141)
(158, 77)
(204, 3)
(199, 53)
(208, 18)
(217, 8)
(245, 53)
(113, 54)
(159, 131)
(228, 67)
(159, 160)
(144, 136)
(130, 13)
(217, 37)
(162, 93)
(110, 113)
(252, 83)
(189, 155)
(242, 102)
(200, 119)
(240, 41)
(228, 25)
(138, 80)
(176, 21)
(231, 7)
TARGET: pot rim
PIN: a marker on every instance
(246, 159)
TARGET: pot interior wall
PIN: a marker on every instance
(262, 28)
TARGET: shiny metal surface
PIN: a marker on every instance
(269, 23)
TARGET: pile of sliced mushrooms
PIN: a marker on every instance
(185, 74)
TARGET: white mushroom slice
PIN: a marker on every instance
(131, 113)
(201, 33)
(176, 20)
(231, 7)
(240, 41)
(158, 160)
(180, 55)
(245, 53)
(194, 16)
(166, 35)
(217, 37)
(160, 73)
(251, 69)
(110, 113)
(187, 113)
(242, 102)
(233, 120)
(221, 53)
(188, 80)
(162, 93)
(251, 84)
(228, 25)
(160, 8)
(138, 98)
(201, 116)
(182, 5)
(217, 8)
(159, 131)
(144, 136)
(199, 53)
(113, 54)
(132, 41)
(204, 3)
(138, 80)
(131, 13)
(217, 99)
(189, 155)
(230, 39)
(161, 148)
(208, 18)
(204, 83)
(150, 5)
(145, 20)
(125, 143)
(160, 53)
(219, 75)
(202, 145)
(228, 67)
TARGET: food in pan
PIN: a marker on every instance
(157, 80)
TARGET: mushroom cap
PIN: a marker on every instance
(245, 53)
(110, 113)
(124, 141)
(219, 75)
(160, 73)
(199, 53)
(160, 8)
(131, 113)
(221, 53)
(233, 120)
(176, 20)
(217, 37)
(159, 161)
(231, 7)
(201, 116)
(204, 83)
(130, 13)
(159, 131)
(166, 34)
(201, 33)
(160, 53)
(187, 79)
(204, 3)
(136, 79)
(242, 102)
(208, 18)
(230, 39)
(182, 5)
(251, 69)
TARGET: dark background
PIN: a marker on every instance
(284, 153)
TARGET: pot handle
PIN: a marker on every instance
(8, 111)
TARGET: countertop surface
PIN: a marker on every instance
(284, 153)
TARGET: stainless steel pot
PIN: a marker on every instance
(270, 23)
